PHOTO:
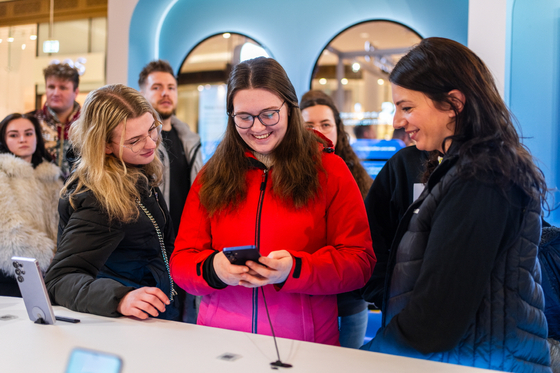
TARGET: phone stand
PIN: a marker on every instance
(41, 321)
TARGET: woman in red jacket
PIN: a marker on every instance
(266, 185)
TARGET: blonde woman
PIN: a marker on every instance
(115, 234)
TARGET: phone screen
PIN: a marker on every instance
(88, 361)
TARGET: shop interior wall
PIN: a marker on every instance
(533, 87)
(295, 32)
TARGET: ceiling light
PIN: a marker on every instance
(200, 88)
(226, 35)
(344, 81)
(356, 67)
(10, 40)
(23, 47)
(322, 81)
(33, 37)
(380, 81)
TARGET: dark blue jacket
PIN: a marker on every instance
(463, 282)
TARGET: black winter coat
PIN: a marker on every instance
(98, 263)
(464, 280)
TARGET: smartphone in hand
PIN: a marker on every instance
(240, 254)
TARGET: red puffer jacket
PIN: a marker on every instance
(329, 240)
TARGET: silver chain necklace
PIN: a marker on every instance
(172, 292)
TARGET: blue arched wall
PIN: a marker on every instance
(295, 32)
(533, 87)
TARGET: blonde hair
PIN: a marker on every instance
(114, 184)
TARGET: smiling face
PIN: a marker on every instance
(137, 131)
(21, 139)
(262, 139)
(321, 118)
(160, 89)
(421, 120)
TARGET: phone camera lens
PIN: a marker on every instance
(20, 278)
(15, 264)
(18, 271)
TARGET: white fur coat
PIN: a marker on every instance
(28, 211)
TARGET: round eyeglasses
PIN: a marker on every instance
(267, 118)
(139, 144)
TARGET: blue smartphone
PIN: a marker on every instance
(84, 360)
(240, 254)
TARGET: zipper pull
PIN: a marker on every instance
(263, 183)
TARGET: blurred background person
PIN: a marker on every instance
(59, 112)
(400, 134)
(320, 113)
(266, 185)
(181, 155)
(29, 188)
(115, 233)
(365, 131)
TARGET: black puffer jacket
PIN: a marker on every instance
(98, 263)
(464, 279)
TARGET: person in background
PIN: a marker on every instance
(115, 234)
(320, 113)
(365, 131)
(29, 188)
(400, 134)
(463, 275)
(181, 155)
(59, 112)
(266, 186)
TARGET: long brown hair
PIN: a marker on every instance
(114, 183)
(297, 159)
(484, 131)
(342, 148)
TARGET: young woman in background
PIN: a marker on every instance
(29, 188)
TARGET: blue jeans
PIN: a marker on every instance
(353, 329)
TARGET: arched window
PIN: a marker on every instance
(202, 84)
(353, 69)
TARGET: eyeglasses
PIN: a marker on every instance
(138, 144)
(267, 118)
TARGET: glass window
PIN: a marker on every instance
(353, 69)
(202, 84)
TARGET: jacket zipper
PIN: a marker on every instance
(258, 245)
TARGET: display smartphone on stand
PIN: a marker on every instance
(90, 361)
(240, 254)
(34, 292)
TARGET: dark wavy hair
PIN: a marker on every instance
(297, 159)
(342, 147)
(40, 151)
(485, 136)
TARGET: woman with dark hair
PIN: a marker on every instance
(29, 187)
(320, 113)
(266, 186)
(463, 277)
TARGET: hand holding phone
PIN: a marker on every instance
(238, 255)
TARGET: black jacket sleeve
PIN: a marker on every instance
(471, 224)
(84, 245)
(386, 203)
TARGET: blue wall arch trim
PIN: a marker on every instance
(295, 32)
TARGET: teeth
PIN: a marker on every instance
(261, 137)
